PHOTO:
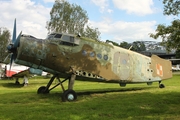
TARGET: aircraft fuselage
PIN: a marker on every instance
(64, 53)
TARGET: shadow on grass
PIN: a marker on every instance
(12, 85)
(108, 90)
(56, 95)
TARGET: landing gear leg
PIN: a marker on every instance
(161, 85)
(17, 81)
(45, 89)
(70, 94)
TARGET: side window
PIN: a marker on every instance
(71, 39)
(99, 55)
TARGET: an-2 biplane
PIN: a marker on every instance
(75, 57)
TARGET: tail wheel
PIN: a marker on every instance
(69, 95)
(42, 90)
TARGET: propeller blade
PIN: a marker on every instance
(14, 32)
(11, 61)
(12, 48)
(17, 40)
(13, 57)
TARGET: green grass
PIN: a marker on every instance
(96, 101)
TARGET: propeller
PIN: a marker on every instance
(12, 47)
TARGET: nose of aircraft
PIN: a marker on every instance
(12, 47)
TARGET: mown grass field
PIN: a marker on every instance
(96, 101)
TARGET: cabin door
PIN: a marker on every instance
(125, 66)
(122, 65)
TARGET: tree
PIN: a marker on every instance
(125, 45)
(70, 18)
(91, 33)
(171, 7)
(114, 43)
(4, 40)
(170, 34)
(138, 46)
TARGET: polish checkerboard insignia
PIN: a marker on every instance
(159, 69)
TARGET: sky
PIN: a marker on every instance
(117, 20)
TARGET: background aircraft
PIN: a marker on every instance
(75, 57)
(15, 68)
(17, 71)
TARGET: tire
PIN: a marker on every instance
(161, 86)
(69, 95)
(42, 90)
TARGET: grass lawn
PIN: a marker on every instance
(96, 101)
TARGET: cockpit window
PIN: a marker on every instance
(54, 36)
(68, 38)
(58, 36)
(50, 36)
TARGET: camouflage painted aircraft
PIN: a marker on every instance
(75, 57)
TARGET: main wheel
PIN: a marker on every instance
(69, 95)
(42, 90)
(161, 86)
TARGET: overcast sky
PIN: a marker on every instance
(117, 20)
